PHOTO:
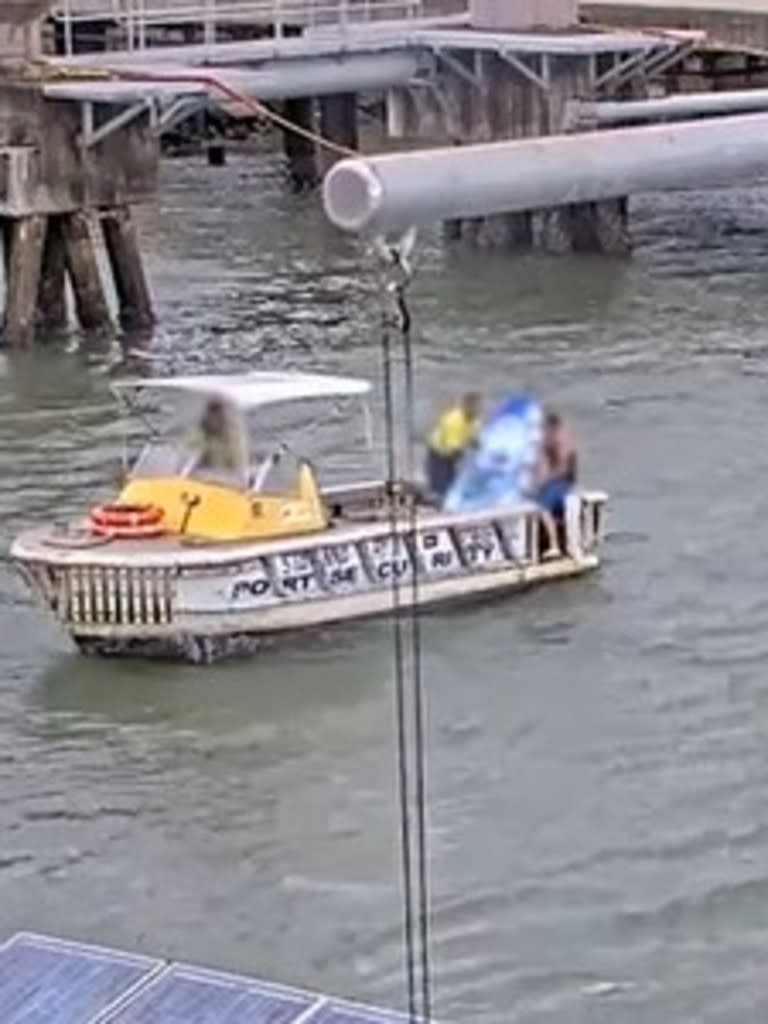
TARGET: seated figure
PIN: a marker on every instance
(215, 442)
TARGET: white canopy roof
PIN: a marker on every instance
(251, 390)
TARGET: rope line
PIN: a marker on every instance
(283, 122)
(254, 105)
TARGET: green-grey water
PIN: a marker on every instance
(597, 751)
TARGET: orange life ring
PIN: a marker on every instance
(128, 521)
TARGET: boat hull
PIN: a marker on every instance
(167, 599)
(213, 639)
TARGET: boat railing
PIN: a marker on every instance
(585, 530)
(588, 517)
(142, 589)
(589, 520)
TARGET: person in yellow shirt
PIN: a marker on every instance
(453, 433)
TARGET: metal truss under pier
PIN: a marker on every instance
(357, 61)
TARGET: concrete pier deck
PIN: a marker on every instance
(740, 24)
(45, 980)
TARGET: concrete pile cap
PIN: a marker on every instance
(21, 12)
(24, 71)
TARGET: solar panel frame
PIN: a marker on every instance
(32, 988)
(309, 1016)
(302, 1006)
(342, 1011)
(291, 1005)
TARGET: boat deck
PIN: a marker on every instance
(74, 543)
(45, 980)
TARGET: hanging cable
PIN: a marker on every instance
(396, 258)
(419, 738)
(401, 723)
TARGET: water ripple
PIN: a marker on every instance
(597, 752)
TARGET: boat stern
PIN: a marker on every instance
(89, 598)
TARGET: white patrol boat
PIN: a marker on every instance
(208, 548)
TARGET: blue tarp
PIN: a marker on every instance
(498, 469)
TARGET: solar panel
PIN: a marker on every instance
(182, 995)
(47, 981)
(50, 981)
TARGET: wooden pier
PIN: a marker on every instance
(739, 24)
(61, 198)
(68, 178)
(79, 133)
(45, 980)
(498, 77)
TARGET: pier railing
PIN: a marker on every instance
(139, 18)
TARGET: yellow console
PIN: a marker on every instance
(213, 511)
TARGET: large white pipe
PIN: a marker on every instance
(398, 190)
(348, 73)
(677, 107)
(275, 80)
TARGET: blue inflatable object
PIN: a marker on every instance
(498, 469)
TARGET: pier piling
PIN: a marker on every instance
(24, 243)
(299, 149)
(477, 95)
(63, 160)
(52, 293)
(83, 268)
(338, 124)
(217, 153)
(124, 253)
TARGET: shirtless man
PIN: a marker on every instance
(555, 477)
(559, 463)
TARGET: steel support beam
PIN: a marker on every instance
(662, 62)
(163, 115)
(442, 104)
(621, 71)
(517, 62)
(396, 191)
(165, 119)
(459, 69)
(91, 135)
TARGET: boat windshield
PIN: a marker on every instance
(273, 472)
(207, 442)
(216, 442)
